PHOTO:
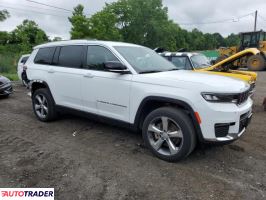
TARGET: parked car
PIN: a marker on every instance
(200, 63)
(5, 87)
(21, 69)
(132, 85)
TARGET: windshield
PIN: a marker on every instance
(200, 61)
(145, 60)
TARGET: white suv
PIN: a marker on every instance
(134, 86)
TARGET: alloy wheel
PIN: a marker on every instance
(41, 106)
(165, 136)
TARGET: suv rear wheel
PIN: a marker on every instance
(169, 133)
(43, 105)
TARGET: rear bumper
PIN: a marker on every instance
(6, 89)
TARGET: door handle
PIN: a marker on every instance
(51, 71)
(88, 75)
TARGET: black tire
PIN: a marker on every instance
(4, 96)
(185, 124)
(256, 63)
(51, 113)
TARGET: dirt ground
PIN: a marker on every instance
(83, 159)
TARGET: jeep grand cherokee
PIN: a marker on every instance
(134, 86)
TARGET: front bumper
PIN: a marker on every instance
(6, 89)
(244, 122)
(230, 118)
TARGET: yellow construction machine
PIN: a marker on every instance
(255, 39)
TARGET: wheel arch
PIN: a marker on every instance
(37, 84)
(151, 103)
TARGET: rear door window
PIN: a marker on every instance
(71, 56)
(44, 55)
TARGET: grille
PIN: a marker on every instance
(244, 121)
(221, 130)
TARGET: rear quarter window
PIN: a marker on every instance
(24, 59)
(44, 55)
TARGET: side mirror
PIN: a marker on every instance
(116, 66)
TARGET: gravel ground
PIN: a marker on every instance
(83, 159)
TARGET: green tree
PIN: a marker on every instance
(27, 35)
(210, 41)
(220, 40)
(232, 40)
(79, 22)
(136, 21)
(4, 37)
(197, 40)
(4, 14)
(143, 22)
(57, 39)
(102, 26)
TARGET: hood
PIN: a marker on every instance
(189, 79)
(4, 79)
(253, 75)
(234, 74)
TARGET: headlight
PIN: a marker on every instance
(220, 98)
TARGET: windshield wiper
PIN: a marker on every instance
(149, 71)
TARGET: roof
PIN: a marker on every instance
(168, 54)
(260, 31)
(83, 42)
(25, 55)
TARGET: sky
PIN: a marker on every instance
(236, 15)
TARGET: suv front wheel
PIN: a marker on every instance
(43, 105)
(169, 133)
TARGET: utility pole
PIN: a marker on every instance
(256, 16)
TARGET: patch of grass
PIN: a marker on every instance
(12, 77)
(8, 63)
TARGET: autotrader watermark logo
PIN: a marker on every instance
(27, 193)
